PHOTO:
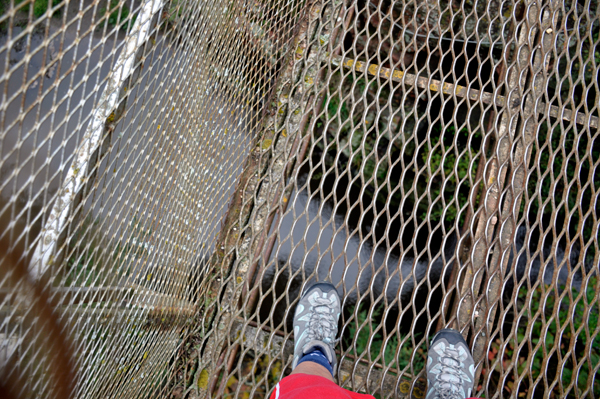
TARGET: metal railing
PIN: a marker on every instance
(174, 173)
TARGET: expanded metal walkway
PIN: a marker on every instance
(174, 173)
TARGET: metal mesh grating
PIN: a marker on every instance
(174, 173)
(125, 125)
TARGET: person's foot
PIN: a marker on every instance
(450, 366)
(316, 322)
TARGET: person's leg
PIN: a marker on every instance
(450, 366)
(315, 329)
(312, 368)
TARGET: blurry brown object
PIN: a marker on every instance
(29, 319)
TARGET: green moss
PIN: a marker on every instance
(118, 15)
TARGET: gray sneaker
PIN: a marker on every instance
(450, 366)
(316, 322)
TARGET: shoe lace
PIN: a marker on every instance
(322, 322)
(450, 371)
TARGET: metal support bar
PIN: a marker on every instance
(295, 97)
(38, 314)
(477, 303)
(493, 185)
(260, 194)
(462, 91)
(473, 195)
(519, 164)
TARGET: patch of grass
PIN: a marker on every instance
(562, 348)
(450, 172)
(40, 7)
(361, 336)
(116, 15)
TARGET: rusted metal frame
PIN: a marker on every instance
(315, 109)
(263, 255)
(260, 255)
(252, 211)
(546, 37)
(489, 128)
(511, 151)
(496, 170)
(297, 97)
(460, 91)
(264, 251)
(464, 249)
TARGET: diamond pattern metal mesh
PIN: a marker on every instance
(125, 126)
(173, 174)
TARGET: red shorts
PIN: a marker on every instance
(304, 386)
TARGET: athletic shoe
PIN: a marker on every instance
(316, 322)
(450, 367)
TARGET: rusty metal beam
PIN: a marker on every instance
(461, 91)
(260, 194)
(496, 224)
(487, 218)
(519, 165)
(288, 118)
